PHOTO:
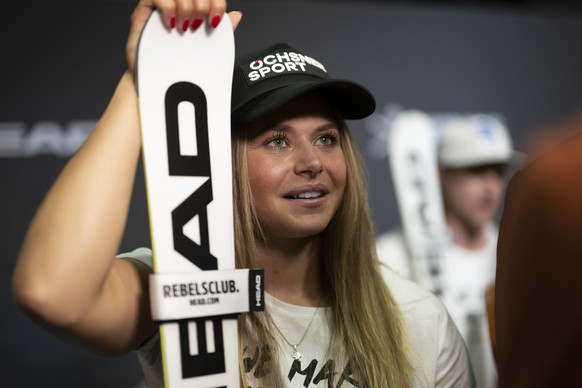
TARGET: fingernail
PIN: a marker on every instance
(185, 25)
(173, 22)
(196, 23)
(215, 21)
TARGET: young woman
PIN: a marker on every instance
(334, 316)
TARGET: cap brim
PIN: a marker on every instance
(516, 158)
(352, 100)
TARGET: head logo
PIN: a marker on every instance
(43, 138)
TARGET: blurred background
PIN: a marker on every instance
(61, 60)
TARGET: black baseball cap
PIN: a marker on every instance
(267, 78)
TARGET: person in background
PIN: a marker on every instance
(474, 152)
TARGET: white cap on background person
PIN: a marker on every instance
(475, 140)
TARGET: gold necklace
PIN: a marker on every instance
(295, 354)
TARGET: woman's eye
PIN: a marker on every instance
(328, 140)
(277, 142)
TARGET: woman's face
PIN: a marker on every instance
(297, 168)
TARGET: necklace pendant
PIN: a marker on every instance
(296, 355)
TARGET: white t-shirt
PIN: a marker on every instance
(464, 276)
(433, 344)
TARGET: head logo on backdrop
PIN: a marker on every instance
(21, 140)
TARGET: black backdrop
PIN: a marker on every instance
(60, 61)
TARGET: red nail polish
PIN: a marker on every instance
(215, 21)
(196, 23)
(173, 22)
(185, 25)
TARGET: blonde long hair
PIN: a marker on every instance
(365, 322)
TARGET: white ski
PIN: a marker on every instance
(414, 166)
(184, 86)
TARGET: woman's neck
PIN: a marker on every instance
(293, 270)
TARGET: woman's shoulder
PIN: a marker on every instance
(391, 250)
(143, 255)
(420, 307)
(407, 293)
(434, 344)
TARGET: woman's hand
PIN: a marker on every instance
(181, 15)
